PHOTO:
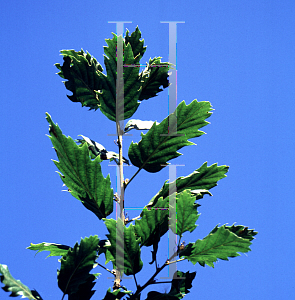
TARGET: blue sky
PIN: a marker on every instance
(239, 55)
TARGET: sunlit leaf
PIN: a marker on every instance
(160, 144)
(221, 244)
(186, 213)
(199, 182)
(54, 249)
(15, 286)
(80, 174)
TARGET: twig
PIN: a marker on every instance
(152, 280)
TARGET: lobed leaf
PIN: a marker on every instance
(153, 77)
(95, 90)
(74, 277)
(221, 244)
(15, 286)
(136, 44)
(239, 230)
(157, 146)
(83, 74)
(129, 84)
(117, 294)
(81, 175)
(199, 182)
(186, 214)
(152, 225)
(180, 285)
(54, 249)
(127, 246)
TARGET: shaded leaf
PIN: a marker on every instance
(15, 286)
(156, 147)
(83, 77)
(221, 244)
(202, 180)
(139, 125)
(153, 223)
(160, 296)
(180, 286)
(85, 289)
(95, 90)
(118, 294)
(81, 175)
(136, 44)
(153, 77)
(127, 246)
(76, 265)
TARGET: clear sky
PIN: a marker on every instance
(239, 55)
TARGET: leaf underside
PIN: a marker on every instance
(15, 286)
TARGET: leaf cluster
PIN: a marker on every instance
(80, 164)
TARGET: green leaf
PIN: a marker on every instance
(131, 252)
(99, 150)
(220, 244)
(54, 249)
(81, 175)
(83, 73)
(85, 290)
(200, 181)
(137, 46)
(156, 147)
(76, 265)
(180, 287)
(95, 90)
(153, 223)
(240, 230)
(15, 286)
(186, 213)
(117, 294)
(60, 250)
(131, 82)
(153, 77)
